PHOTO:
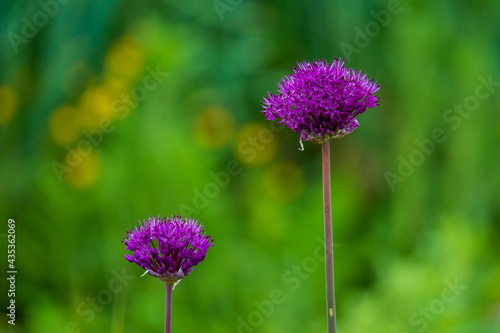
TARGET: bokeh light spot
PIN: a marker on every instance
(284, 181)
(125, 59)
(116, 86)
(95, 104)
(255, 145)
(214, 127)
(63, 125)
(8, 104)
(87, 172)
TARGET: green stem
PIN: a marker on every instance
(327, 204)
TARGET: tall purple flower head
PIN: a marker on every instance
(321, 100)
(167, 248)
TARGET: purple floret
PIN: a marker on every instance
(320, 101)
(167, 248)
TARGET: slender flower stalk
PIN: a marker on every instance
(321, 101)
(168, 308)
(167, 249)
(327, 205)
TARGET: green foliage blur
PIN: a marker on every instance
(114, 111)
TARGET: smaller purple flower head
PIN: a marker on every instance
(167, 248)
(321, 100)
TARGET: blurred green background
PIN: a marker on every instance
(114, 111)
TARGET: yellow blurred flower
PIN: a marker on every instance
(125, 59)
(8, 104)
(87, 172)
(214, 127)
(284, 181)
(116, 86)
(95, 104)
(63, 125)
(255, 145)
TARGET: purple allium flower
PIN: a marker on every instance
(320, 101)
(167, 248)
